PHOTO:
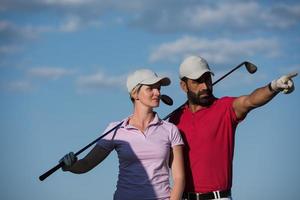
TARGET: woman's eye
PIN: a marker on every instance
(157, 87)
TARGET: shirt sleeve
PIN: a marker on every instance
(107, 142)
(175, 136)
(228, 101)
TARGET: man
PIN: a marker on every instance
(208, 126)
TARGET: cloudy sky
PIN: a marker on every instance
(63, 67)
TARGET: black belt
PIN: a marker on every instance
(206, 196)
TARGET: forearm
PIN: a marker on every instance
(178, 187)
(92, 159)
(80, 167)
(263, 95)
(260, 97)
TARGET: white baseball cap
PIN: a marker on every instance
(145, 77)
(193, 67)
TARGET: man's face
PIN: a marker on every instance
(199, 91)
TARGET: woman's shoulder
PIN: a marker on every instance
(168, 124)
(114, 124)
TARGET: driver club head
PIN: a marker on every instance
(166, 99)
(251, 68)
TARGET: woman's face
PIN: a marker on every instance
(149, 95)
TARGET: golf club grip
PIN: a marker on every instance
(51, 171)
(59, 165)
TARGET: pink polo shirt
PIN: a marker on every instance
(143, 158)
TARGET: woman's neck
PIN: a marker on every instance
(141, 118)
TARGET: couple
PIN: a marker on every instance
(197, 143)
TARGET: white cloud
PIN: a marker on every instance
(99, 80)
(13, 36)
(282, 16)
(223, 16)
(237, 14)
(70, 25)
(172, 16)
(289, 69)
(49, 72)
(74, 23)
(7, 49)
(67, 2)
(17, 86)
(11, 32)
(216, 51)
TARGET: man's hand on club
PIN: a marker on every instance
(68, 160)
(284, 84)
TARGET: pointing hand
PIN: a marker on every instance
(284, 84)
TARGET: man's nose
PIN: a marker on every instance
(203, 86)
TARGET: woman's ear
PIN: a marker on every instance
(134, 94)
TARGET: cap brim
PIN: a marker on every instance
(198, 75)
(164, 81)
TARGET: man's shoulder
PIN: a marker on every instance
(225, 99)
(175, 116)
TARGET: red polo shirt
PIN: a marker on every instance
(209, 145)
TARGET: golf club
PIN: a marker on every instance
(164, 98)
(251, 68)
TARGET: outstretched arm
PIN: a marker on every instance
(92, 159)
(259, 97)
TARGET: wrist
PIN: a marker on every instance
(272, 87)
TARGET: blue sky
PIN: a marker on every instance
(63, 66)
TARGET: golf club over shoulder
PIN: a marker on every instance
(143, 87)
(165, 99)
(59, 165)
(251, 68)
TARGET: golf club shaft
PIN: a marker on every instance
(51, 171)
(59, 165)
(225, 75)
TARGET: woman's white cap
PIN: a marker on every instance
(145, 77)
(193, 67)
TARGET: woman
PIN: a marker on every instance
(145, 145)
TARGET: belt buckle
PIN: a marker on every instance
(217, 194)
(188, 195)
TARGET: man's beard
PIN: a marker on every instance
(196, 99)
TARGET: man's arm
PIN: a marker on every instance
(259, 97)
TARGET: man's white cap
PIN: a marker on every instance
(193, 67)
(145, 77)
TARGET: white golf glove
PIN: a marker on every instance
(284, 84)
(68, 160)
